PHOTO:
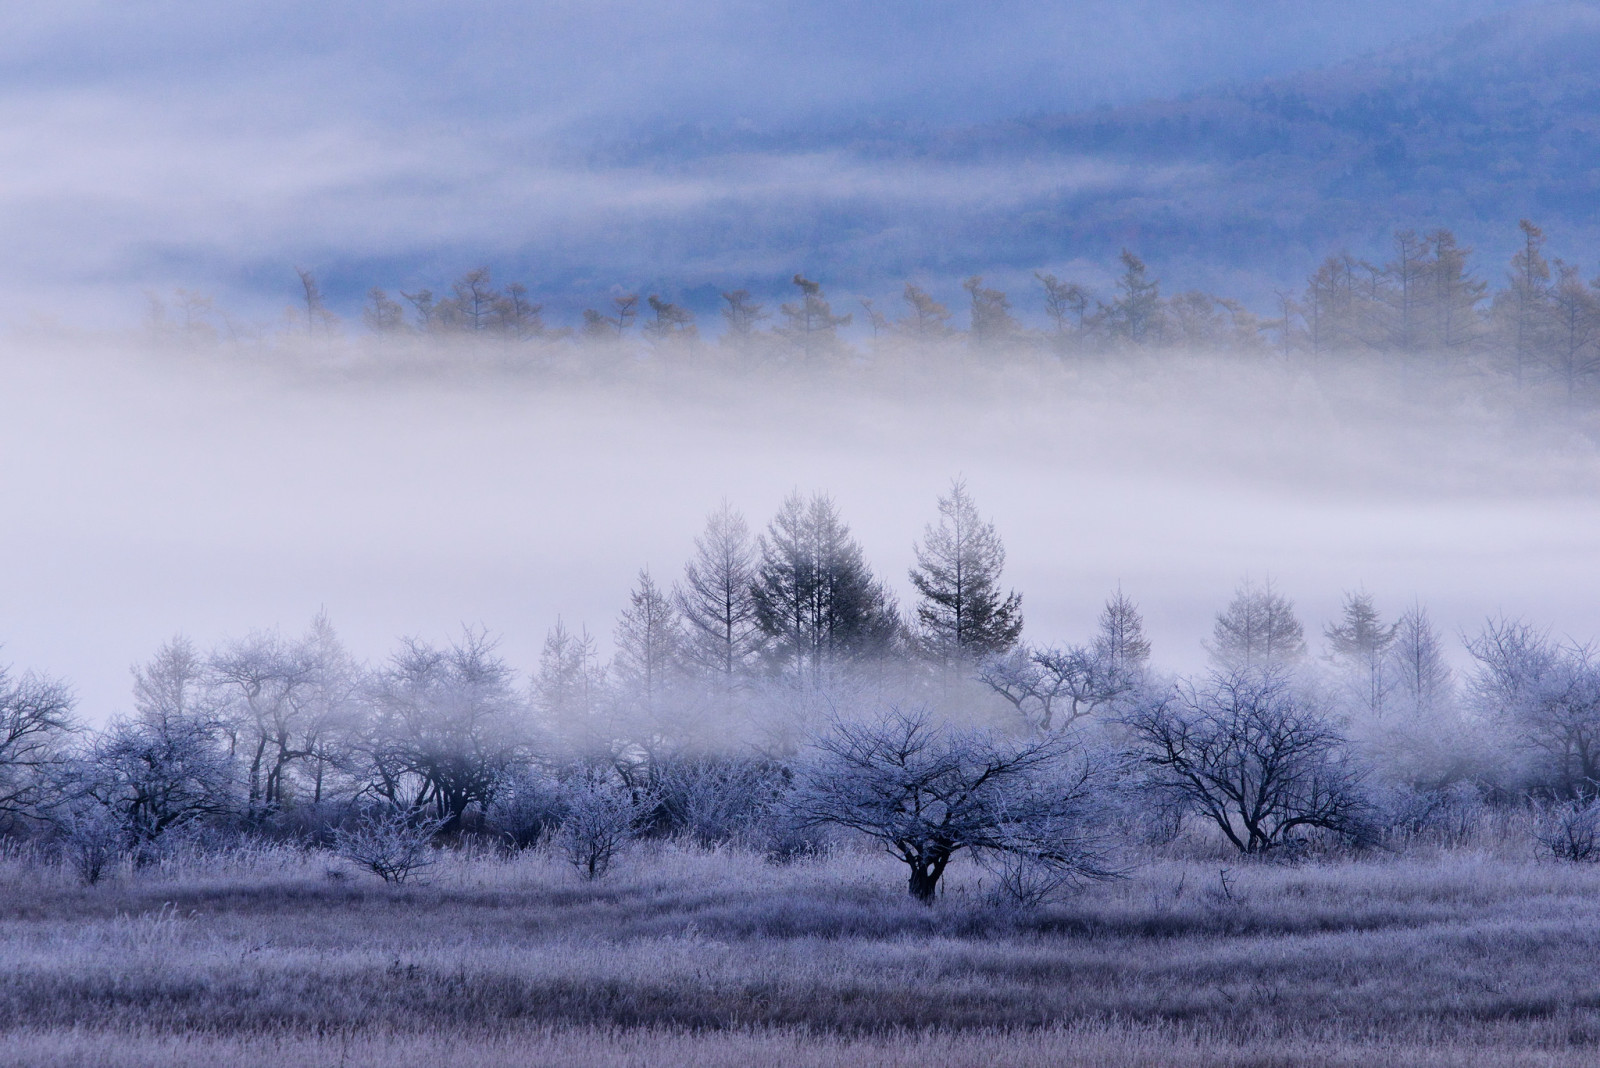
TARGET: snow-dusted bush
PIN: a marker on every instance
(390, 842)
(1571, 830)
(526, 807)
(713, 800)
(92, 840)
(602, 818)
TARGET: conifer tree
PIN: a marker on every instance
(1360, 643)
(963, 613)
(721, 635)
(1257, 630)
(649, 637)
(816, 599)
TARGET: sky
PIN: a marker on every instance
(215, 147)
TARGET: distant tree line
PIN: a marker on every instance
(776, 694)
(1541, 322)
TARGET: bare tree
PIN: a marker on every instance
(1252, 757)
(36, 724)
(927, 792)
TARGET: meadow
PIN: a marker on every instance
(1472, 952)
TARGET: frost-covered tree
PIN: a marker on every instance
(257, 682)
(721, 634)
(447, 725)
(1358, 645)
(35, 725)
(1250, 755)
(649, 637)
(1258, 629)
(1053, 688)
(927, 792)
(1546, 697)
(816, 599)
(963, 611)
(1423, 681)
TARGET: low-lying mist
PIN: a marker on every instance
(216, 490)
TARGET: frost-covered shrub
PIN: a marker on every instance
(92, 840)
(526, 807)
(1571, 830)
(602, 818)
(714, 800)
(390, 842)
(1444, 815)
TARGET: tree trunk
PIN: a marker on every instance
(924, 883)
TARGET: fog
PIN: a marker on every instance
(212, 492)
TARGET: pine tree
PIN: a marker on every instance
(715, 600)
(816, 600)
(963, 613)
(1257, 630)
(649, 636)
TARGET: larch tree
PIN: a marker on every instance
(1258, 630)
(816, 599)
(992, 322)
(649, 637)
(1423, 681)
(569, 680)
(810, 322)
(1359, 644)
(963, 612)
(721, 635)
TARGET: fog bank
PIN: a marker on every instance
(213, 492)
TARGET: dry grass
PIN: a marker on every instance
(682, 956)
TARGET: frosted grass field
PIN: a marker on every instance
(1474, 954)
